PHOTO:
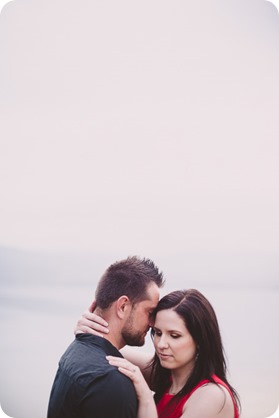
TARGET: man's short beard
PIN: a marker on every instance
(133, 339)
(130, 336)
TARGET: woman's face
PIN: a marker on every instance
(173, 343)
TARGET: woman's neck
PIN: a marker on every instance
(179, 379)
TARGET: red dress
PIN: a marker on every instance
(177, 412)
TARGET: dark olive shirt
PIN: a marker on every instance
(87, 386)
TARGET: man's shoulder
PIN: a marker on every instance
(88, 348)
(116, 378)
(113, 394)
(82, 352)
(85, 363)
(102, 376)
(92, 383)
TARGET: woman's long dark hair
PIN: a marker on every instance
(201, 322)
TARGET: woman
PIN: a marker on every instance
(188, 371)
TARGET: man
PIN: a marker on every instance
(86, 386)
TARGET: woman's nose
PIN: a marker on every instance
(162, 343)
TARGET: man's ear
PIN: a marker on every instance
(123, 306)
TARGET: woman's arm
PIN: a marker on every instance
(139, 358)
(147, 407)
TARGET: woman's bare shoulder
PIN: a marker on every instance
(209, 401)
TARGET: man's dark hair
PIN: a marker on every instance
(130, 277)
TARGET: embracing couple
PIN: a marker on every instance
(99, 376)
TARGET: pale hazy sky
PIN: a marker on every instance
(147, 128)
(150, 128)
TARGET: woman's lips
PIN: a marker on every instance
(164, 356)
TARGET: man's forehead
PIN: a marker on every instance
(153, 293)
(148, 304)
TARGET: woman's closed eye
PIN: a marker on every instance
(158, 333)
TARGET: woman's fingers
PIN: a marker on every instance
(87, 330)
(123, 364)
(133, 372)
(91, 323)
(93, 317)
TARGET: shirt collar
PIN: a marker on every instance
(94, 340)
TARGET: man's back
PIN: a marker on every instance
(86, 386)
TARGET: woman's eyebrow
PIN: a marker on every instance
(156, 329)
(168, 330)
